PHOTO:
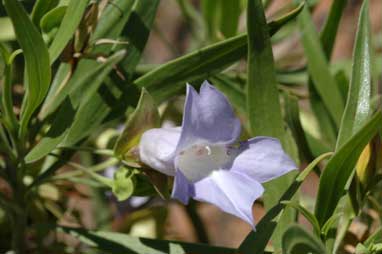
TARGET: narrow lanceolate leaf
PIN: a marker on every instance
(9, 117)
(318, 68)
(297, 240)
(89, 114)
(53, 18)
(358, 109)
(204, 62)
(328, 129)
(111, 98)
(84, 79)
(67, 28)
(7, 32)
(341, 166)
(328, 36)
(256, 241)
(145, 116)
(114, 243)
(307, 214)
(292, 116)
(176, 249)
(111, 17)
(37, 65)
(210, 10)
(263, 105)
(229, 17)
(40, 8)
(376, 237)
(329, 32)
(144, 14)
(66, 116)
(56, 133)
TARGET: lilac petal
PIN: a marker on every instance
(182, 189)
(232, 192)
(262, 159)
(208, 117)
(156, 149)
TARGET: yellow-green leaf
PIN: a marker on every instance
(144, 117)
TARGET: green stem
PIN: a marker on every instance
(19, 215)
(106, 152)
(101, 166)
(19, 233)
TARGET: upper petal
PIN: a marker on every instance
(156, 148)
(208, 117)
(232, 192)
(263, 159)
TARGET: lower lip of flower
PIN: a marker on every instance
(198, 161)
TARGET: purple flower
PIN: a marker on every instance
(207, 161)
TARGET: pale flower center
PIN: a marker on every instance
(198, 161)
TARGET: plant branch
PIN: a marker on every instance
(80, 169)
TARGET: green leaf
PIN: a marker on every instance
(318, 67)
(89, 114)
(7, 32)
(297, 240)
(376, 237)
(40, 8)
(329, 32)
(292, 116)
(334, 240)
(202, 63)
(37, 64)
(229, 18)
(137, 32)
(69, 112)
(71, 20)
(123, 184)
(261, 90)
(176, 249)
(338, 170)
(256, 241)
(308, 215)
(84, 79)
(8, 115)
(211, 11)
(361, 249)
(116, 243)
(145, 117)
(263, 105)
(358, 109)
(327, 127)
(113, 16)
(56, 133)
(113, 98)
(330, 223)
(53, 18)
(328, 35)
(195, 65)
